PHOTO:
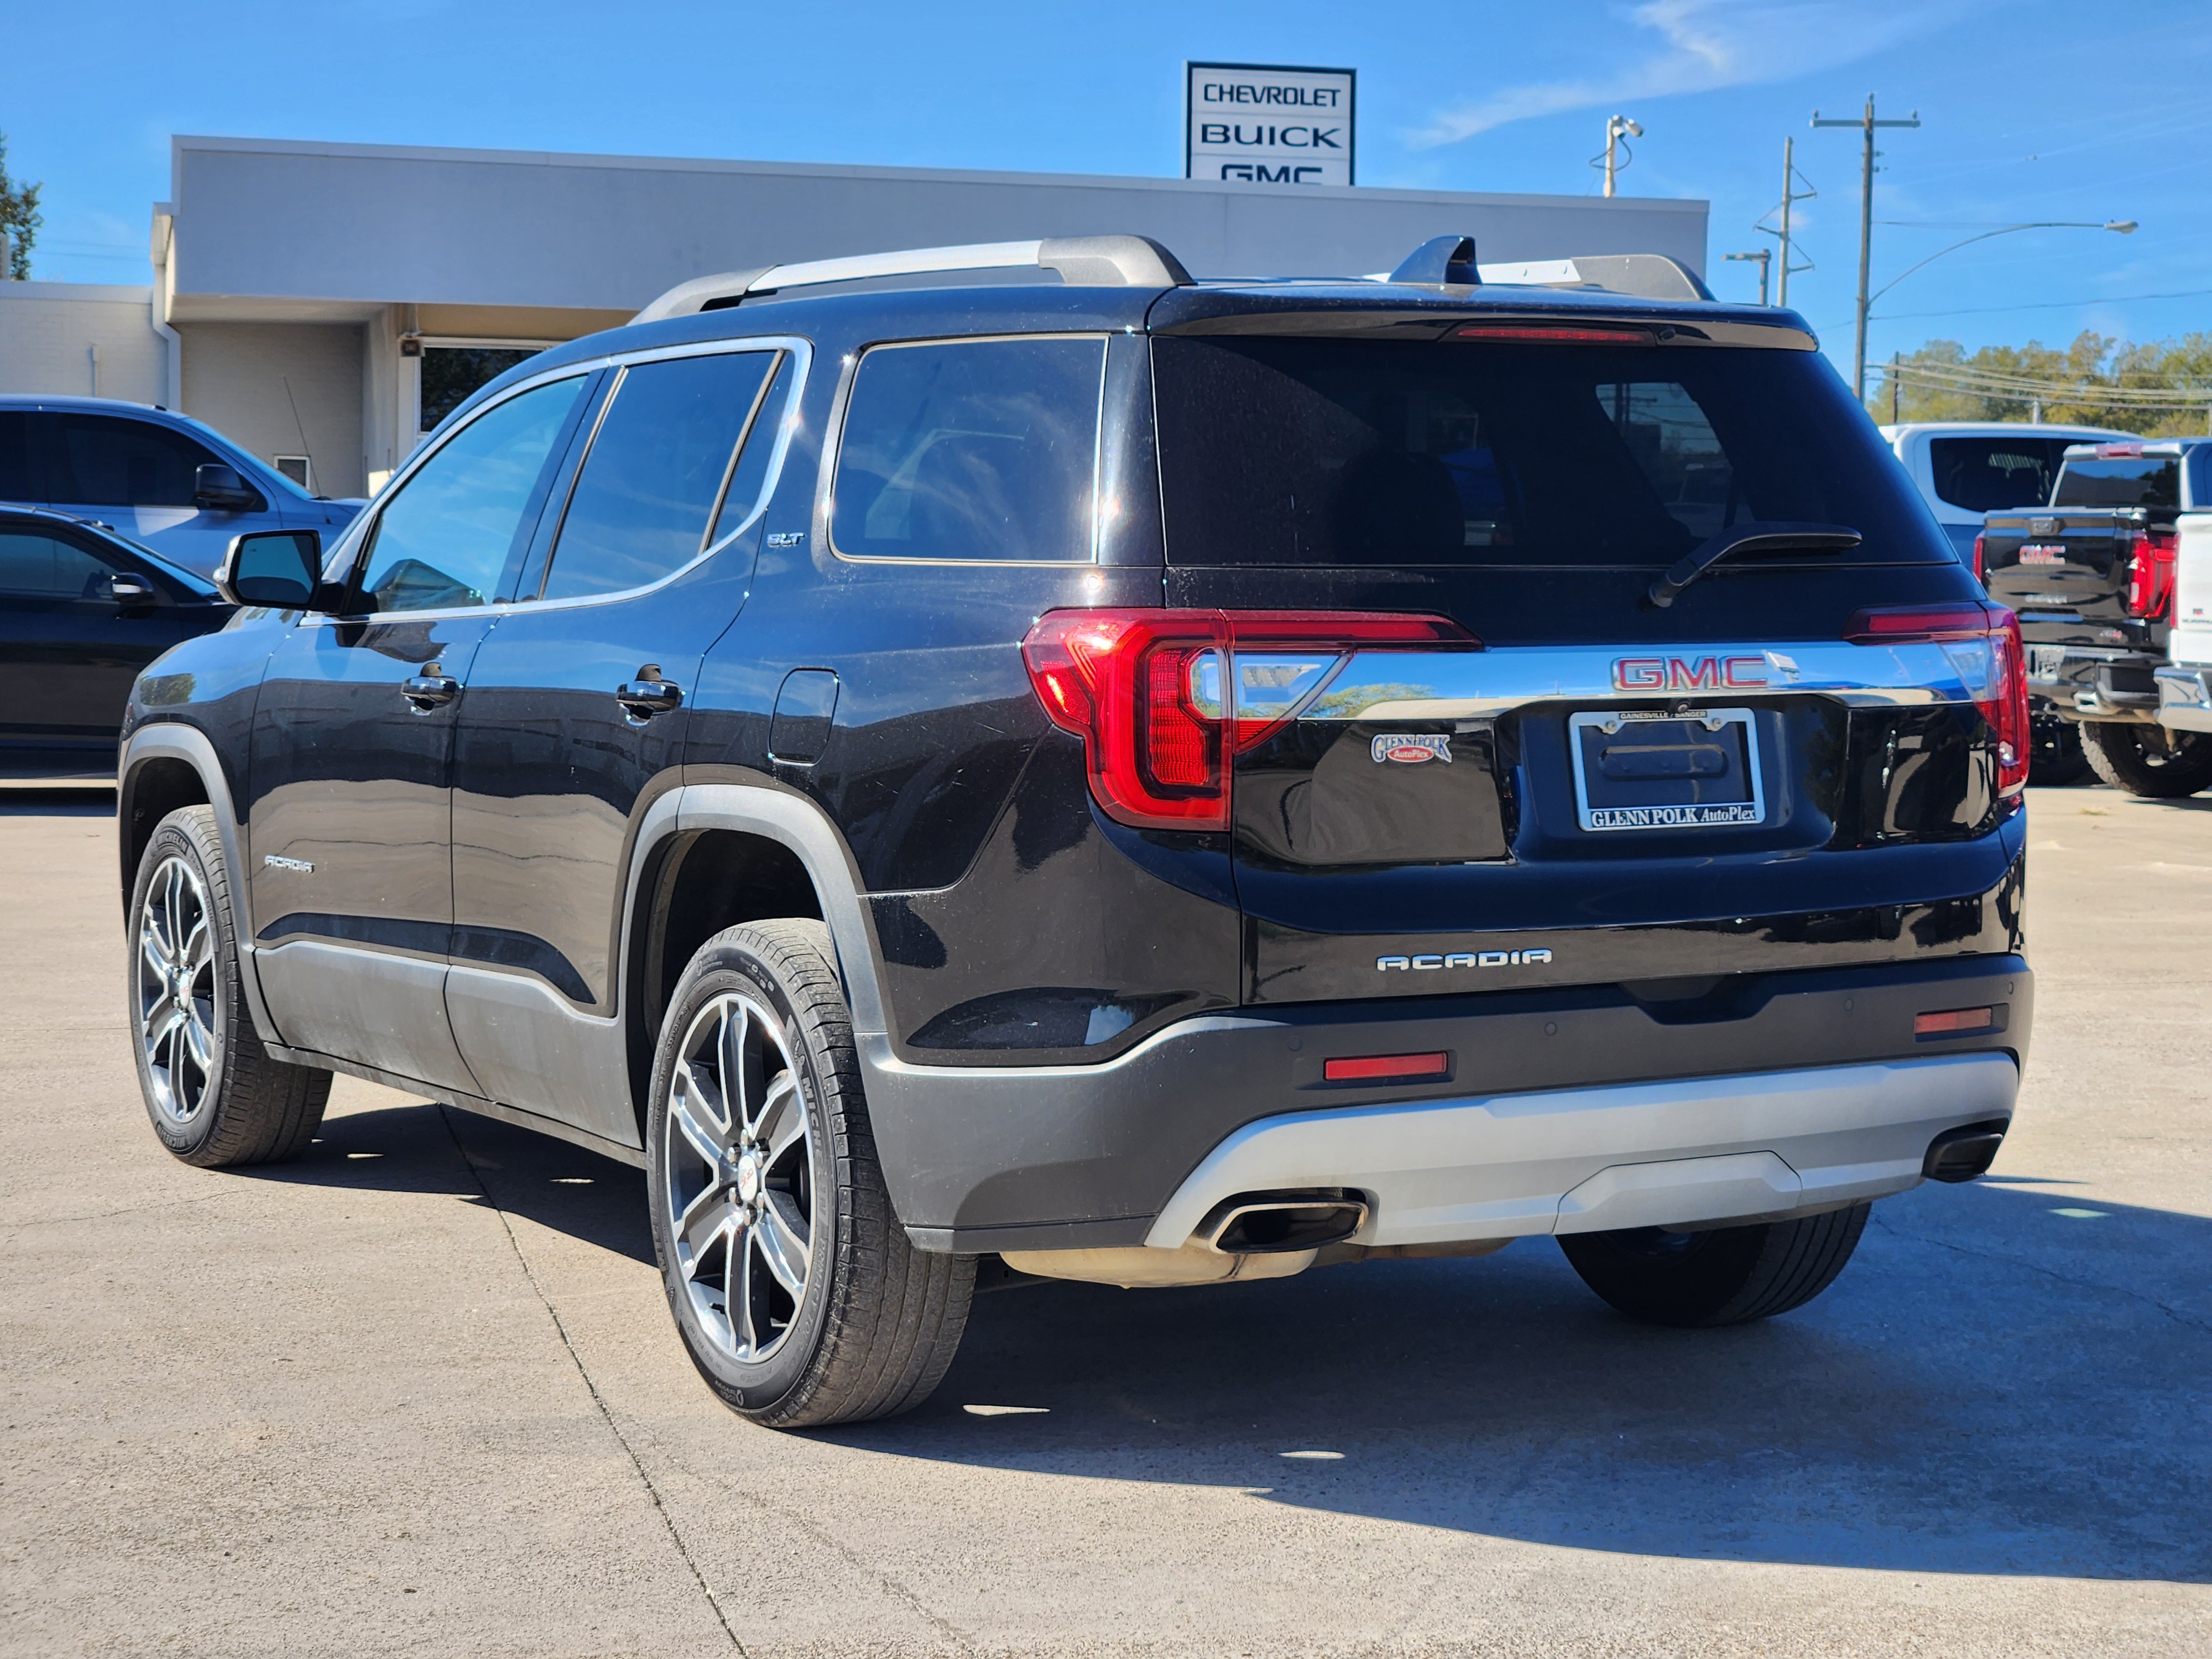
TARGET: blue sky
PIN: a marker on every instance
(2032, 111)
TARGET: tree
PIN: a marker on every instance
(19, 216)
(2160, 388)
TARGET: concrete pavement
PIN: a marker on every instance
(418, 1392)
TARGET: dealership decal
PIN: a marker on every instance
(1411, 748)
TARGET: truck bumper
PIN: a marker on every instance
(1812, 1087)
(2184, 699)
(2083, 682)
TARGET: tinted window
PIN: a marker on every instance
(982, 449)
(444, 539)
(751, 475)
(17, 481)
(105, 461)
(36, 565)
(2131, 481)
(647, 492)
(1987, 475)
(1346, 452)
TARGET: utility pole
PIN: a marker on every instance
(1762, 255)
(1617, 127)
(1892, 388)
(1866, 123)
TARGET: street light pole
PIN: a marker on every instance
(1763, 255)
(1617, 127)
(2118, 227)
(1866, 123)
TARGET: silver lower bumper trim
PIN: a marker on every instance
(1592, 1160)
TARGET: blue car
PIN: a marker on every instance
(160, 478)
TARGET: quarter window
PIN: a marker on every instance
(444, 540)
(971, 449)
(664, 459)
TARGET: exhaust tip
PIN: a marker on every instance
(1962, 1154)
(1268, 1224)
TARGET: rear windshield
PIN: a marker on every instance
(1351, 453)
(2126, 480)
(1988, 475)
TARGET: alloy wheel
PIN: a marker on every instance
(740, 1177)
(176, 991)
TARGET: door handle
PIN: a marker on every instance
(424, 692)
(648, 694)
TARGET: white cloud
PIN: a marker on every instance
(1707, 45)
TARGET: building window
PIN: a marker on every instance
(300, 469)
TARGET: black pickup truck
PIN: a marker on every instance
(2092, 577)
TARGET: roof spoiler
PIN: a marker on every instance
(1081, 261)
(1448, 261)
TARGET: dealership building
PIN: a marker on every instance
(323, 304)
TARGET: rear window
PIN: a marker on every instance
(971, 449)
(1341, 453)
(2120, 481)
(1988, 475)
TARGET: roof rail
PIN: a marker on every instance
(1081, 261)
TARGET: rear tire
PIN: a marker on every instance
(1726, 1276)
(217, 1098)
(795, 1287)
(2147, 760)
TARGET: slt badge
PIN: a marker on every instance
(1411, 748)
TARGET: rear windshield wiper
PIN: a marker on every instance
(1758, 536)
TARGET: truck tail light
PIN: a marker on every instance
(1166, 700)
(1983, 642)
(1981, 569)
(2150, 573)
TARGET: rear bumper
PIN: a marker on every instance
(1591, 1160)
(2086, 683)
(1068, 1156)
(2184, 699)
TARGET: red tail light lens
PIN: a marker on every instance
(1983, 642)
(1163, 700)
(2150, 573)
(1981, 570)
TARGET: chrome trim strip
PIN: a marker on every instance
(1448, 685)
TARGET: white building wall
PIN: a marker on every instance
(282, 389)
(50, 333)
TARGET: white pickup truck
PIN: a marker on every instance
(2184, 685)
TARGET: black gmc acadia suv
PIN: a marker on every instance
(1130, 778)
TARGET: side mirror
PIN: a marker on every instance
(133, 591)
(218, 486)
(281, 569)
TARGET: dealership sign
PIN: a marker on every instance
(1266, 123)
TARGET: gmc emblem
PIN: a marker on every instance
(1689, 673)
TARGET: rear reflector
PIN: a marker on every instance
(1389, 1068)
(1953, 1021)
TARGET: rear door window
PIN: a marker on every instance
(1293, 452)
(35, 565)
(972, 450)
(1988, 475)
(19, 480)
(105, 460)
(662, 462)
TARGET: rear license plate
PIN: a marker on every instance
(2046, 662)
(1636, 771)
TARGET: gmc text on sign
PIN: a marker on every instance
(1268, 124)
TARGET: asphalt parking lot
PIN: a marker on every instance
(418, 1392)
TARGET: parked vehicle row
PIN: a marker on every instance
(1138, 781)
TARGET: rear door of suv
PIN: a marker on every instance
(1569, 781)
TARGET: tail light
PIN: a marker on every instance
(1166, 700)
(2150, 573)
(1983, 642)
(1981, 570)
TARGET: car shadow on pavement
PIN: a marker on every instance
(1993, 1385)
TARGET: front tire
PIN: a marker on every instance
(2147, 760)
(1725, 1276)
(217, 1098)
(794, 1288)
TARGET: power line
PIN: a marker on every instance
(2048, 304)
